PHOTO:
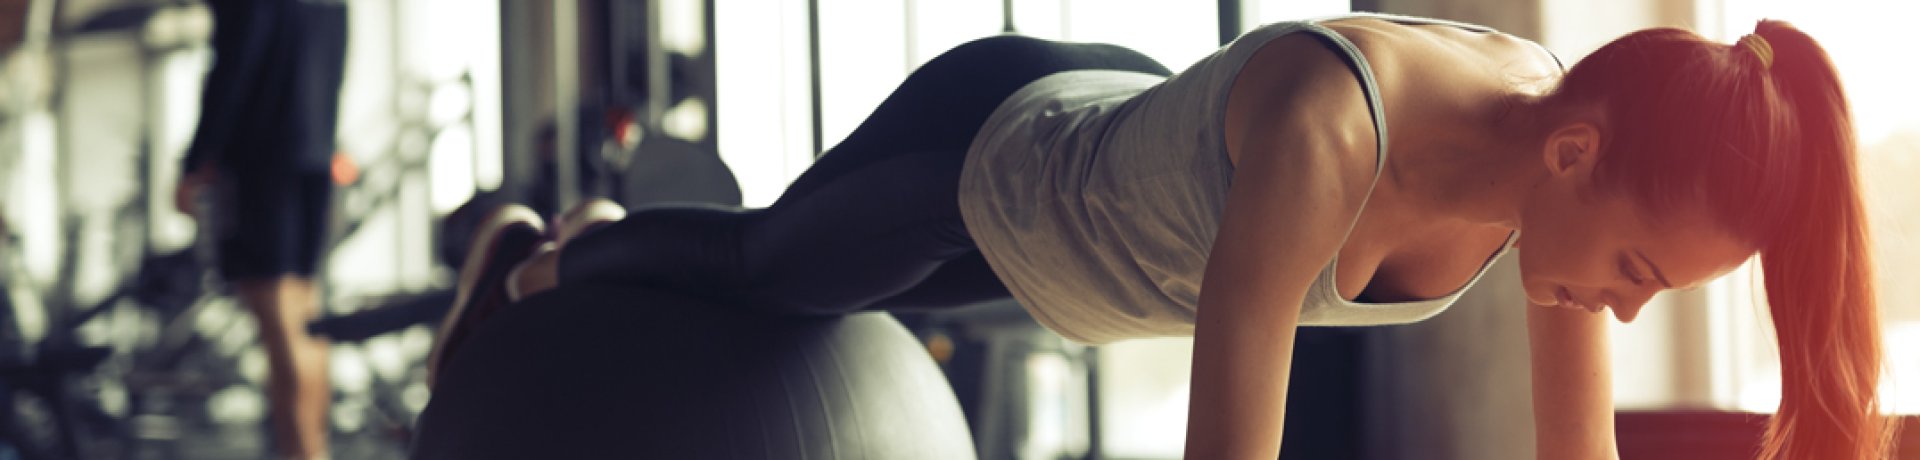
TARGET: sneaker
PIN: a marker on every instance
(507, 237)
(585, 217)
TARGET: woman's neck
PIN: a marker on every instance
(1480, 178)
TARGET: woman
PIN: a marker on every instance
(1100, 192)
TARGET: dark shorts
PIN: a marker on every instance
(265, 225)
(267, 124)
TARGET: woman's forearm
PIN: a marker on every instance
(1572, 384)
(1239, 392)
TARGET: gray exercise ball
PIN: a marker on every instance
(614, 372)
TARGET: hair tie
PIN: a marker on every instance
(1760, 48)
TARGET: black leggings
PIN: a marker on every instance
(873, 224)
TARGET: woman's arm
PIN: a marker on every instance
(1572, 384)
(1301, 177)
(1243, 340)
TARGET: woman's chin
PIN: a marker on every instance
(1543, 296)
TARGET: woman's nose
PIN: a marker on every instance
(1627, 307)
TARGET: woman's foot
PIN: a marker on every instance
(508, 236)
(585, 217)
(542, 271)
(534, 275)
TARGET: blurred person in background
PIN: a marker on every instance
(257, 179)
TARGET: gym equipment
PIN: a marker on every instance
(623, 372)
(668, 170)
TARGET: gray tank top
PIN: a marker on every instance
(1095, 195)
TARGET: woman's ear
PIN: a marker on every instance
(1572, 148)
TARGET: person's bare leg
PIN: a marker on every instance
(298, 391)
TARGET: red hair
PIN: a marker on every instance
(1767, 144)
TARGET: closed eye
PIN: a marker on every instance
(1626, 269)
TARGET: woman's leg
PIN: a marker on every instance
(874, 220)
(869, 235)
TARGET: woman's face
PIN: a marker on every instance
(1609, 254)
(1581, 248)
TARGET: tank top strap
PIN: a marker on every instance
(1358, 63)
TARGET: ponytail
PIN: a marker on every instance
(1818, 268)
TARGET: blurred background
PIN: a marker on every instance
(116, 342)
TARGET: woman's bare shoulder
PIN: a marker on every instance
(1431, 78)
(1295, 87)
(1438, 56)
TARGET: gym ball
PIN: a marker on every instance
(622, 372)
